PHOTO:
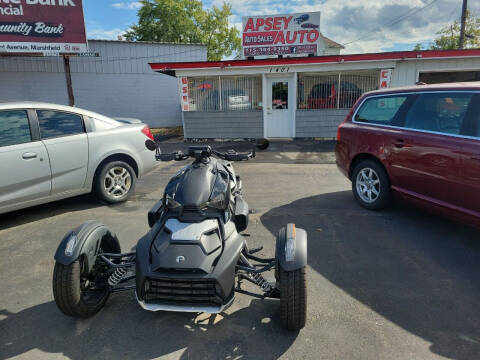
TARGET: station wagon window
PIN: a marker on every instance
(57, 123)
(380, 110)
(440, 112)
(14, 128)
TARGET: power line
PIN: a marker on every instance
(402, 17)
(101, 59)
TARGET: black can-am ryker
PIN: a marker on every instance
(193, 258)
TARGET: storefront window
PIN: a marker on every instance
(280, 95)
(334, 90)
(225, 93)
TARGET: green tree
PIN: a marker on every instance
(418, 47)
(449, 35)
(186, 21)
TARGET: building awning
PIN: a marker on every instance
(312, 60)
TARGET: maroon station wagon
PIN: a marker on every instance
(420, 142)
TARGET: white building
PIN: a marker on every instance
(117, 83)
(300, 96)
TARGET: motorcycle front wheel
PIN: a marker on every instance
(293, 298)
(76, 291)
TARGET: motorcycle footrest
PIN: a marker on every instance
(255, 250)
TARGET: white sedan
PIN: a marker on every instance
(50, 152)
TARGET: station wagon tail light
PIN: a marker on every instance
(339, 127)
(350, 113)
(146, 131)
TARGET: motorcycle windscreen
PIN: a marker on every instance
(201, 185)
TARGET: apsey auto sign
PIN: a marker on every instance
(42, 26)
(281, 34)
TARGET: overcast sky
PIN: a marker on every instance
(361, 25)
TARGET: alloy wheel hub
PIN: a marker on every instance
(118, 181)
(368, 185)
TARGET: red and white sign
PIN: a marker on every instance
(281, 34)
(183, 86)
(49, 27)
(385, 77)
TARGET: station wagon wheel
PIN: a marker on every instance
(114, 182)
(370, 184)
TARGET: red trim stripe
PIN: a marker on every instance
(397, 55)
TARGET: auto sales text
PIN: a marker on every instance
(276, 30)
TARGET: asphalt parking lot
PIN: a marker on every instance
(397, 284)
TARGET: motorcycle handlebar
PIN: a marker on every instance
(200, 153)
(177, 156)
(234, 156)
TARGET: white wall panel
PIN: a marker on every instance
(118, 83)
(35, 86)
(405, 73)
(151, 98)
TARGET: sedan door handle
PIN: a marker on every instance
(399, 143)
(29, 155)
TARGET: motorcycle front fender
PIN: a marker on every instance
(85, 240)
(291, 249)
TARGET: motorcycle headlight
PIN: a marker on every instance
(217, 197)
(171, 202)
(218, 202)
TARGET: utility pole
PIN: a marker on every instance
(462, 26)
(68, 77)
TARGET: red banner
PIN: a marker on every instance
(281, 34)
(45, 26)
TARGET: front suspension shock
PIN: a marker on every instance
(119, 273)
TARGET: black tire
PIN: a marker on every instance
(372, 201)
(67, 287)
(262, 144)
(68, 294)
(101, 182)
(293, 298)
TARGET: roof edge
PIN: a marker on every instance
(385, 56)
(331, 43)
(145, 42)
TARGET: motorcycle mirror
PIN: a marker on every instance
(262, 144)
(150, 145)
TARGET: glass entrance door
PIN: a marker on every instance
(279, 107)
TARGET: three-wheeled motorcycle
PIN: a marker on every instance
(194, 257)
